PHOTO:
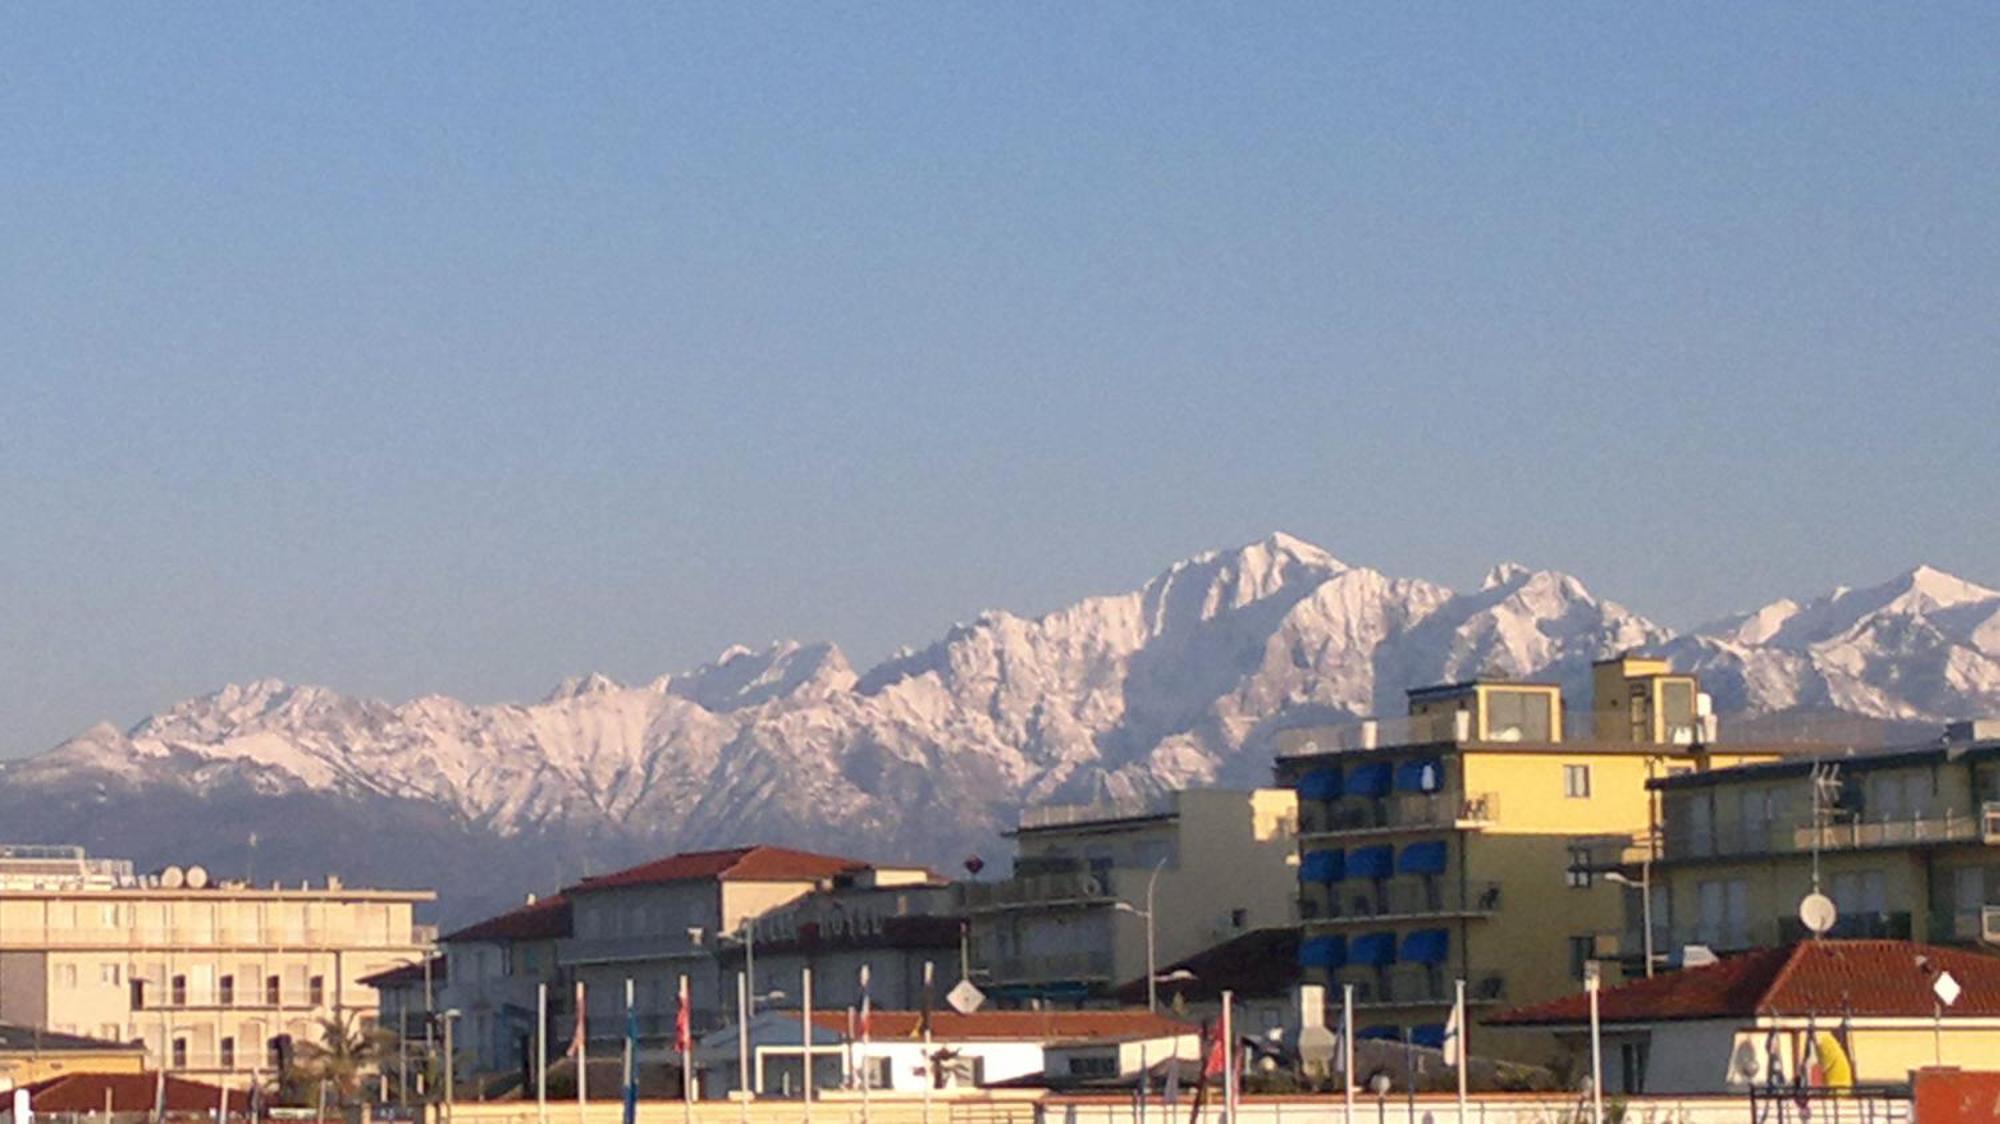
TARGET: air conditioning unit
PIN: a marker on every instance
(1989, 924)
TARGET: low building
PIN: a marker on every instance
(1071, 922)
(1905, 841)
(1260, 970)
(214, 975)
(1454, 843)
(1754, 1019)
(30, 1054)
(494, 971)
(967, 1052)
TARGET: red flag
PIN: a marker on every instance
(683, 1038)
(1215, 1050)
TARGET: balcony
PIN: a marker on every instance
(1398, 812)
(1043, 891)
(1074, 815)
(1396, 899)
(1843, 834)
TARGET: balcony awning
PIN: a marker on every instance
(1371, 779)
(1380, 1032)
(1371, 862)
(1323, 952)
(1320, 784)
(1427, 857)
(1429, 1034)
(1323, 866)
(1373, 949)
(1425, 774)
(1427, 946)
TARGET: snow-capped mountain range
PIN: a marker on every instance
(927, 755)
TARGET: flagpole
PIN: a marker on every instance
(867, 1010)
(806, 1041)
(1229, 1060)
(1463, 1055)
(582, 1040)
(743, 1047)
(684, 1030)
(1347, 1052)
(630, 1093)
(930, 1078)
(542, 1053)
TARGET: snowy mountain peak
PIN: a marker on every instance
(1504, 574)
(577, 687)
(1939, 589)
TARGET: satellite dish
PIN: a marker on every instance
(1817, 913)
(173, 878)
(197, 878)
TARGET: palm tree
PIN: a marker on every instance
(346, 1053)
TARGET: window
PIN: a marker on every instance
(1093, 1065)
(66, 975)
(316, 992)
(274, 992)
(1723, 908)
(179, 991)
(531, 961)
(111, 1032)
(225, 991)
(278, 1052)
(110, 975)
(138, 987)
(1632, 1066)
(180, 1053)
(1582, 950)
(227, 1057)
(1517, 716)
(1576, 782)
(1578, 875)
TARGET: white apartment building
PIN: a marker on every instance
(210, 976)
(1070, 923)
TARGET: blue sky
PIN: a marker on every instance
(413, 348)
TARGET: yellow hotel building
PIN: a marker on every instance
(1456, 842)
(208, 976)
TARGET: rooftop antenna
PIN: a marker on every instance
(1825, 794)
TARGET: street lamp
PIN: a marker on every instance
(1645, 888)
(1152, 956)
(450, 1062)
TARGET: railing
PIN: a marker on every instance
(1066, 815)
(1580, 724)
(1397, 897)
(1043, 890)
(1729, 839)
(1397, 812)
(1375, 733)
(1407, 985)
(1052, 967)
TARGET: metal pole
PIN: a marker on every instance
(930, 1078)
(430, 1019)
(450, 1069)
(542, 1053)
(806, 1039)
(750, 963)
(403, 1053)
(1152, 963)
(1229, 1060)
(582, 1051)
(1410, 1073)
(1347, 1052)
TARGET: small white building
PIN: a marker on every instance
(966, 1052)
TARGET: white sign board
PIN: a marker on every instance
(964, 998)
(1946, 988)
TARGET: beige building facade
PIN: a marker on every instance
(208, 976)
(1068, 925)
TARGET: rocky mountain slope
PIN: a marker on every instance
(928, 754)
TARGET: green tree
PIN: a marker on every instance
(349, 1050)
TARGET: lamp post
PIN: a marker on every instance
(1645, 888)
(450, 1063)
(1152, 948)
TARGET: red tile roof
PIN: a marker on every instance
(542, 920)
(1880, 979)
(130, 1092)
(1015, 1026)
(408, 974)
(737, 864)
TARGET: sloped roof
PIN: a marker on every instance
(15, 1037)
(1868, 979)
(1015, 1026)
(1258, 964)
(129, 1092)
(737, 864)
(408, 974)
(541, 920)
